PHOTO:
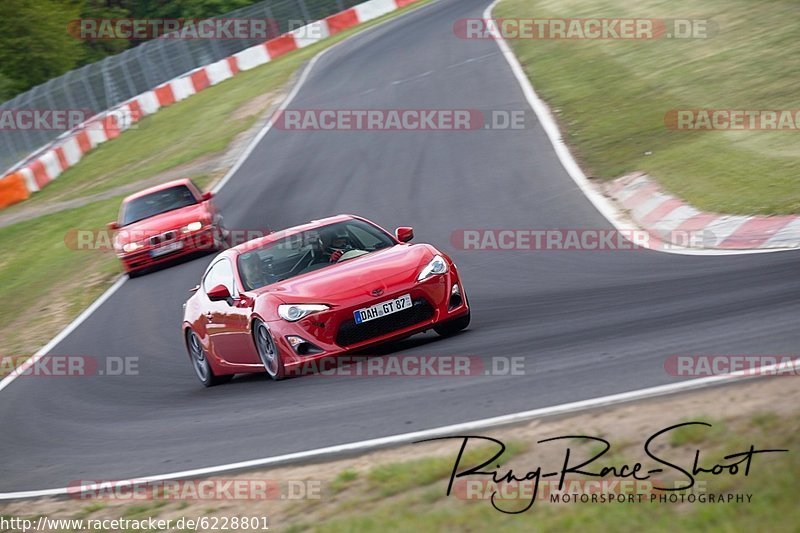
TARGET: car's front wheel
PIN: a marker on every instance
(451, 327)
(268, 351)
(200, 362)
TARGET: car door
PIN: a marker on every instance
(227, 322)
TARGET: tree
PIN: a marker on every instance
(34, 43)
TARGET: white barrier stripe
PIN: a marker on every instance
(72, 152)
(374, 9)
(311, 33)
(724, 227)
(219, 71)
(182, 88)
(30, 181)
(97, 135)
(252, 57)
(148, 102)
(51, 164)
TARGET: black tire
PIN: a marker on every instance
(451, 327)
(199, 360)
(268, 351)
(136, 273)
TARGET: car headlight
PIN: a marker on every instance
(294, 312)
(194, 226)
(131, 247)
(436, 267)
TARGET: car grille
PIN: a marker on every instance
(164, 237)
(352, 333)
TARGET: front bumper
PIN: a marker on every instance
(335, 332)
(198, 241)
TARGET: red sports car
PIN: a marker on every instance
(164, 222)
(322, 289)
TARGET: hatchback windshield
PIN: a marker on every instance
(310, 250)
(156, 203)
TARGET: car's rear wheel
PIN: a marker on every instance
(268, 351)
(200, 362)
(451, 327)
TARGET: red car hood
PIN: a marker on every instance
(384, 269)
(171, 220)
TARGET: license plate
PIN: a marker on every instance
(167, 248)
(382, 309)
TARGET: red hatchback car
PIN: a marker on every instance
(322, 289)
(165, 222)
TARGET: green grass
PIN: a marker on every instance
(393, 478)
(421, 506)
(610, 97)
(343, 479)
(695, 434)
(49, 283)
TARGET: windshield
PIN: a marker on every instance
(156, 203)
(310, 250)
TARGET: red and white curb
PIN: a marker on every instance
(51, 161)
(669, 219)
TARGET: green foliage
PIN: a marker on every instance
(34, 43)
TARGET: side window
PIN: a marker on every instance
(220, 274)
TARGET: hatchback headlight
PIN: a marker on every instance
(294, 312)
(131, 247)
(436, 267)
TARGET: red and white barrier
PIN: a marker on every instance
(68, 150)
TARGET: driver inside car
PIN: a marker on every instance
(252, 274)
(339, 244)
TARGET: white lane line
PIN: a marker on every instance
(413, 78)
(600, 202)
(407, 438)
(470, 60)
(63, 333)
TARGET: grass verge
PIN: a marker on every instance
(611, 97)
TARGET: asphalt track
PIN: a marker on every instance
(587, 323)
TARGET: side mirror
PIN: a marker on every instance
(404, 233)
(220, 292)
(208, 195)
(112, 226)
